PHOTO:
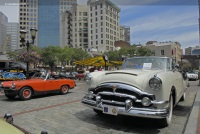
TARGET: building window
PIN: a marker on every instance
(84, 13)
(162, 52)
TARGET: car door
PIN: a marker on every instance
(51, 83)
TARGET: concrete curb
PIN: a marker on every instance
(192, 124)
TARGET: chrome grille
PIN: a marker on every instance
(120, 94)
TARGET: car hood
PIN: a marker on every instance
(6, 128)
(134, 77)
(19, 82)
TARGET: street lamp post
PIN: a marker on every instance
(27, 44)
(105, 58)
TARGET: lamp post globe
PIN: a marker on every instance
(27, 44)
(33, 33)
(22, 36)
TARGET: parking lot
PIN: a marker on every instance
(65, 114)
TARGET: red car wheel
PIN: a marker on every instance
(64, 89)
(25, 93)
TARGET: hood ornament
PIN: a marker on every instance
(114, 87)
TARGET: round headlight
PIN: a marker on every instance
(98, 99)
(155, 83)
(90, 94)
(88, 78)
(146, 101)
(13, 85)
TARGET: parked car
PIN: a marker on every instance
(79, 75)
(7, 126)
(145, 87)
(192, 75)
(15, 66)
(67, 76)
(39, 83)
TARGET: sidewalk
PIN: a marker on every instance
(193, 125)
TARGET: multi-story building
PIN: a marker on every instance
(125, 33)
(168, 49)
(45, 16)
(80, 27)
(12, 35)
(66, 29)
(103, 25)
(192, 50)
(3, 35)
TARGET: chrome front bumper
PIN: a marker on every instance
(158, 112)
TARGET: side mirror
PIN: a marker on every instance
(8, 118)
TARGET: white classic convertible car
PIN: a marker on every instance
(145, 87)
(192, 75)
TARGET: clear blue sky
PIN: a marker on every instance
(161, 20)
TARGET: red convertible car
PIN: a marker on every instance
(40, 83)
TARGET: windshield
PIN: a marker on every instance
(41, 74)
(147, 63)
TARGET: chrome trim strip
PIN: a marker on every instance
(117, 94)
(135, 112)
(113, 102)
(124, 86)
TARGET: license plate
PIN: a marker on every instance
(110, 110)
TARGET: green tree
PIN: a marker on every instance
(12, 55)
(65, 55)
(79, 54)
(128, 52)
(25, 56)
(49, 56)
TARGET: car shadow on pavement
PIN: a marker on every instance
(180, 110)
(119, 123)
